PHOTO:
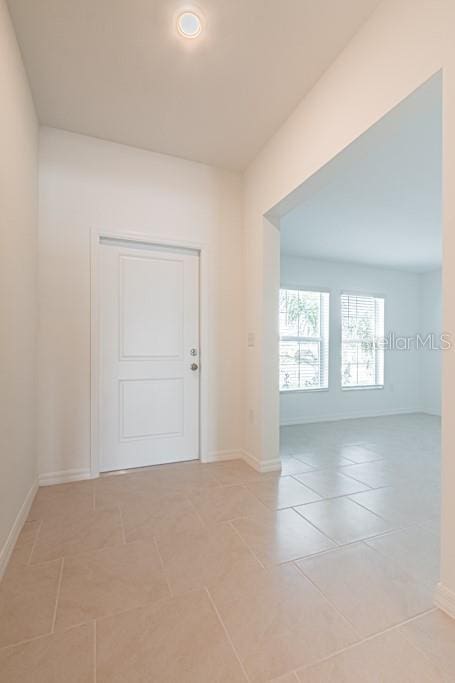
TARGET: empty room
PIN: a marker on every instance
(226, 329)
(361, 339)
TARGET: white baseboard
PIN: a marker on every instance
(444, 598)
(63, 477)
(353, 416)
(222, 456)
(67, 476)
(273, 465)
(8, 546)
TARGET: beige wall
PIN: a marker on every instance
(87, 183)
(402, 45)
(18, 303)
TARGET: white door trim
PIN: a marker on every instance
(95, 364)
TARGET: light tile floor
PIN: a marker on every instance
(214, 573)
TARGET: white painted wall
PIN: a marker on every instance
(404, 43)
(431, 323)
(18, 267)
(402, 309)
(88, 183)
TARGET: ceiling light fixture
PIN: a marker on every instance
(189, 24)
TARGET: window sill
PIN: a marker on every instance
(302, 391)
(363, 388)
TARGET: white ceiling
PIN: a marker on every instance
(379, 201)
(116, 69)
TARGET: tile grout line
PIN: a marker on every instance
(196, 511)
(418, 648)
(161, 561)
(367, 462)
(336, 467)
(289, 456)
(311, 556)
(286, 507)
(344, 457)
(226, 633)
(328, 601)
(59, 586)
(401, 526)
(421, 584)
(351, 476)
(337, 545)
(128, 610)
(340, 546)
(295, 476)
(366, 489)
(310, 469)
(308, 521)
(122, 523)
(49, 634)
(318, 468)
(395, 530)
(369, 638)
(35, 540)
(368, 509)
(237, 532)
(244, 485)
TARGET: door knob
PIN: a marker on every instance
(194, 367)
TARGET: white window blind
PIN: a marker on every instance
(304, 340)
(362, 326)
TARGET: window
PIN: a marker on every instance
(304, 340)
(362, 326)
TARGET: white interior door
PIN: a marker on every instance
(149, 338)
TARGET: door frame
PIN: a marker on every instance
(95, 350)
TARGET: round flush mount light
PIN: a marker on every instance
(189, 24)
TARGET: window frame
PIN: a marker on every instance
(320, 340)
(361, 387)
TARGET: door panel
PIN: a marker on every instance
(141, 278)
(149, 314)
(151, 407)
